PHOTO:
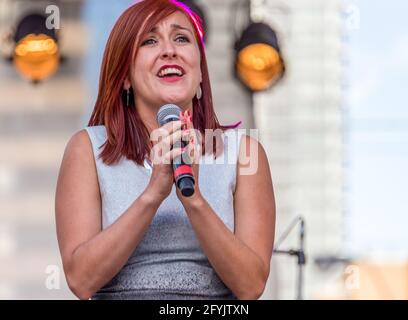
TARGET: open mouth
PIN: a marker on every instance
(170, 72)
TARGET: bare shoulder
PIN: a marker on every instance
(252, 156)
(79, 144)
(78, 165)
(247, 142)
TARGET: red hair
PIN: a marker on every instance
(127, 135)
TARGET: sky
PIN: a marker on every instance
(377, 140)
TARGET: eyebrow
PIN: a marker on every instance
(174, 26)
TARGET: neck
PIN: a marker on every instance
(148, 116)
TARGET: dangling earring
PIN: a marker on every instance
(199, 92)
(127, 96)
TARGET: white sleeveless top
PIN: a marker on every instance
(168, 263)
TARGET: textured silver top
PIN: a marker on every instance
(168, 263)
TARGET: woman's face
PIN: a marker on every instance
(167, 65)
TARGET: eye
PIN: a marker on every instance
(148, 42)
(182, 38)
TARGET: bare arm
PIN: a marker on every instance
(90, 256)
(241, 259)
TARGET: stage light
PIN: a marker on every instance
(258, 60)
(36, 53)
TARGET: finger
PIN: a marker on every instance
(171, 138)
(189, 123)
(172, 154)
(173, 126)
(192, 151)
(189, 136)
(186, 135)
(195, 137)
(174, 139)
(158, 152)
(183, 118)
(165, 145)
(188, 154)
(162, 132)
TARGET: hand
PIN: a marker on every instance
(191, 154)
(161, 156)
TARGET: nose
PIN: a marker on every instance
(168, 50)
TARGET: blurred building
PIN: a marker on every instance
(299, 120)
(35, 125)
(301, 126)
(300, 123)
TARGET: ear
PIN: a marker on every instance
(126, 84)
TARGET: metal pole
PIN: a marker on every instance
(300, 253)
(301, 258)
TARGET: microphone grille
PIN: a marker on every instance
(168, 112)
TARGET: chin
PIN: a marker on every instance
(177, 100)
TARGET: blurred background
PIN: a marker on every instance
(323, 81)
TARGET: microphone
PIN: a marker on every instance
(183, 173)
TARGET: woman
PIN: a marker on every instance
(124, 230)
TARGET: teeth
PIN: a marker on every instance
(167, 71)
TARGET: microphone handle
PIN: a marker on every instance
(183, 174)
